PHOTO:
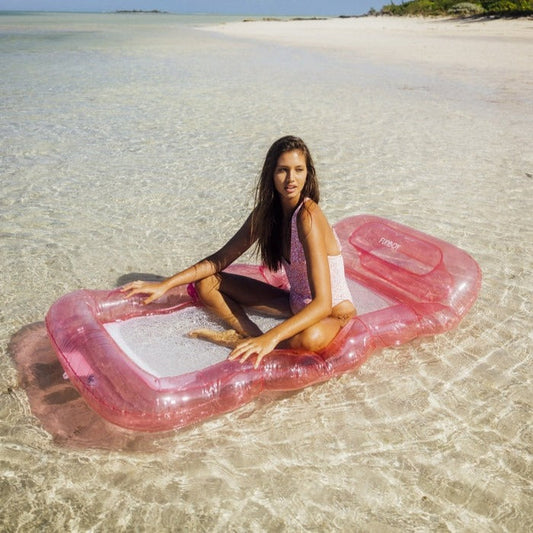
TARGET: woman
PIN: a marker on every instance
(289, 230)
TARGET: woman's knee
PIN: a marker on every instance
(315, 338)
(204, 287)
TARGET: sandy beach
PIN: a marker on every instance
(441, 40)
(499, 51)
(131, 144)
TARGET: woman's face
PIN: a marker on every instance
(290, 175)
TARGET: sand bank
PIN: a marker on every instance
(495, 46)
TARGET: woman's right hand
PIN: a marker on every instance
(153, 288)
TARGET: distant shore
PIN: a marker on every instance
(495, 48)
(128, 11)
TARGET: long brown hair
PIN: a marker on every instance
(267, 216)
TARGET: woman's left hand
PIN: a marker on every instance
(253, 346)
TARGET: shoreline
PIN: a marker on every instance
(341, 32)
(500, 50)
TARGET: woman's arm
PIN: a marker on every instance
(234, 248)
(312, 231)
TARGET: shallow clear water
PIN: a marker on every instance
(131, 144)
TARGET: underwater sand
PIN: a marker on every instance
(131, 144)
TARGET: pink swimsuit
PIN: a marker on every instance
(296, 270)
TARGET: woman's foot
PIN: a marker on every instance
(229, 338)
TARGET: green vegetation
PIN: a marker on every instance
(494, 8)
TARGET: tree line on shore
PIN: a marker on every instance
(492, 8)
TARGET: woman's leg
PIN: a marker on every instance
(227, 294)
(315, 338)
(318, 336)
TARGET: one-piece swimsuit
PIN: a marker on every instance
(296, 270)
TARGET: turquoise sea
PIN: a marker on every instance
(131, 144)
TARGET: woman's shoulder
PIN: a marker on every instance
(310, 215)
(311, 208)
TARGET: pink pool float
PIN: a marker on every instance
(135, 365)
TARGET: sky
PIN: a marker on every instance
(230, 7)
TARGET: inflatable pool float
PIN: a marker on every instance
(136, 367)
